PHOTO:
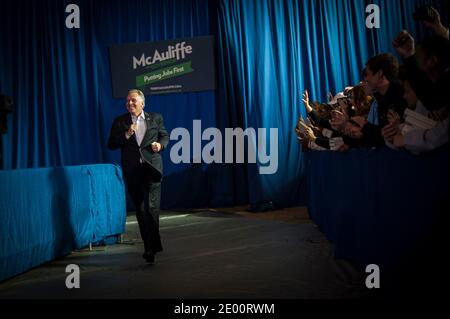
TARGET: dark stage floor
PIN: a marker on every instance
(207, 254)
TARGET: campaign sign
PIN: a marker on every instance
(180, 65)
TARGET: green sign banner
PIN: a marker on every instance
(163, 74)
(167, 66)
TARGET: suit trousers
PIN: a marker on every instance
(146, 196)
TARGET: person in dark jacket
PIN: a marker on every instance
(141, 136)
(427, 69)
(380, 76)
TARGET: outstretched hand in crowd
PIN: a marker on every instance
(404, 44)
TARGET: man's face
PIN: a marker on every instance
(372, 80)
(410, 96)
(134, 104)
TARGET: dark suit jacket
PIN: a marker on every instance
(131, 151)
(392, 100)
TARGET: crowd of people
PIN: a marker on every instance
(400, 106)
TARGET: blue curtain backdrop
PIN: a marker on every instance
(267, 53)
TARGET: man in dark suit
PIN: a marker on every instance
(141, 136)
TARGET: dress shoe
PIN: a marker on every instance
(149, 257)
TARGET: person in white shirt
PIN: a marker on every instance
(416, 139)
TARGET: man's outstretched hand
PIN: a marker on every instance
(436, 24)
(404, 44)
(156, 147)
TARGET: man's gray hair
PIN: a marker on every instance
(139, 92)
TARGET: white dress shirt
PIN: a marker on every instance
(141, 126)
